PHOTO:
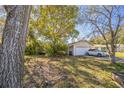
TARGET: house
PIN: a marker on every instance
(79, 48)
(119, 47)
(100, 47)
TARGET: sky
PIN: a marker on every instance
(85, 30)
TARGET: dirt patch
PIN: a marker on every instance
(42, 73)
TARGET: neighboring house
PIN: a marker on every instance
(120, 47)
(79, 48)
(100, 47)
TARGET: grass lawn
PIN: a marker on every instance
(68, 72)
(120, 54)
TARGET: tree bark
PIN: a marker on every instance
(113, 58)
(112, 55)
(13, 46)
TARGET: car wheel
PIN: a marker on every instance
(87, 54)
(99, 55)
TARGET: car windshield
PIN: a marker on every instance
(92, 49)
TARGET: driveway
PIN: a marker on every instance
(119, 59)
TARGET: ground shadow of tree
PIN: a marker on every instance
(63, 72)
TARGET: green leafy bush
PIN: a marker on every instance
(55, 49)
(34, 48)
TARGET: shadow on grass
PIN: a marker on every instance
(66, 72)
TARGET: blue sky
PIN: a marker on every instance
(84, 30)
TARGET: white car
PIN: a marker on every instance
(96, 52)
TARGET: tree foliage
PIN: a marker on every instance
(53, 25)
(121, 36)
(100, 39)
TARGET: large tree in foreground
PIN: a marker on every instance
(13, 45)
(104, 20)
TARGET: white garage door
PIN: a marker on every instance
(80, 51)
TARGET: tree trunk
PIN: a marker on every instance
(113, 59)
(112, 55)
(13, 46)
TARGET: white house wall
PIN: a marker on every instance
(83, 45)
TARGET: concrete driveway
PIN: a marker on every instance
(120, 59)
(107, 58)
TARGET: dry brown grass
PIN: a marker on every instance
(42, 71)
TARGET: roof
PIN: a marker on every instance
(99, 45)
(70, 44)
